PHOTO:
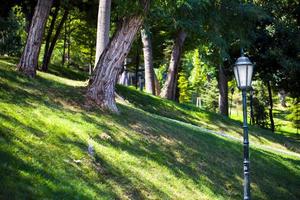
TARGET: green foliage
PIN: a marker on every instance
(201, 81)
(199, 74)
(161, 73)
(12, 33)
(294, 116)
(260, 104)
(80, 35)
(184, 91)
(275, 45)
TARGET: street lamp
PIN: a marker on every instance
(243, 70)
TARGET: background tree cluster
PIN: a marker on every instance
(185, 47)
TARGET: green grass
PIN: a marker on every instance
(45, 131)
(209, 120)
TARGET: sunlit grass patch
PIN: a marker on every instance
(45, 133)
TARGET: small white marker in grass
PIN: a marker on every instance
(91, 148)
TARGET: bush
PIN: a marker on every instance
(12, 33)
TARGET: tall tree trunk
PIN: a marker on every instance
(47, 56)
(103, 27)
(29, 59)
(223, 91)
(49, 33)
(148, 62)
(101, 89)
(65, 45)
(169, 86)
(271, 106)
(68, 56)
(137, 65)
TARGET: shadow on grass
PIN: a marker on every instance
(189, 154)
(206, 155)
(200, 117)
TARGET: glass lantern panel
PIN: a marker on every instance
(250, 73)
(242, 73)
(236, 76)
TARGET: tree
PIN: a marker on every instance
(49, 50)
(49, 33)
(12, 32)
(29, 59)
(103, 27)
(101, 89)
(223, 91)
(169, 88)
(148, 61)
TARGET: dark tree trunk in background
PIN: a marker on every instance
(28, 12)
(223, 91)
(47, 56)
(68, 56)
(252, 120)
(101, 89)
(103, 26)
(271, 106)
(65, 45)
(137, 65)
(29, 59)
(168, 90)
(148, 62)
(49, 33)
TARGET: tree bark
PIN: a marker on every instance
(148, 62)
(64, 46)
(68, 56)
(50, 30)
(101, 89)
(170, 84)
(271, 106)
(137, 65)
(47, 56)
(103, 27)
(223, 91)
(29, 59)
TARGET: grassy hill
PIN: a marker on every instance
(45, 132)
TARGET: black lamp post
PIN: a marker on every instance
(243, 70)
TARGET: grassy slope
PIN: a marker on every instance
(196, 116)
(45, 131)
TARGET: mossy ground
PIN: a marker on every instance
(45, 132)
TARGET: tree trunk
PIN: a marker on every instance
(103, 27)
(49, 33)
(137, 65)
(148, 62)
(101, 89)
(47, 56)
(223, 91)
(68, 56)
(169, 86)
(29, 59)
(271, 106)
(65, 45)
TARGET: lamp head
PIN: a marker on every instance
(243, 71)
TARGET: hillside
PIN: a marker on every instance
(45, 132)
